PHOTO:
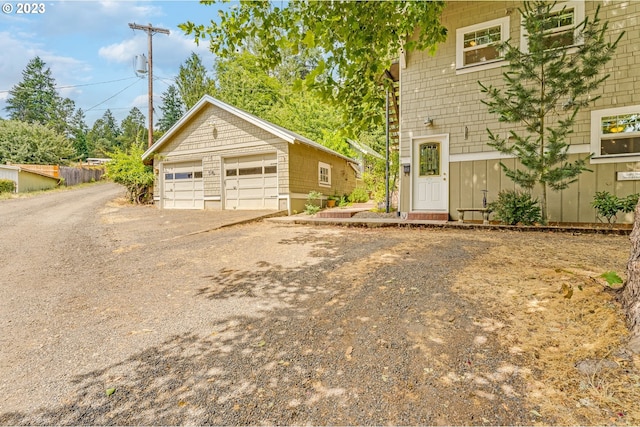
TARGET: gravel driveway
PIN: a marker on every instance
(119, 314)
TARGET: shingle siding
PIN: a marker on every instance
(431, 86)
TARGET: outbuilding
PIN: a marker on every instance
(30, 177)
(220, 157)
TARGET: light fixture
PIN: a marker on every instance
(428, 122)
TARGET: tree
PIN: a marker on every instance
(241, 82)
(172, 109)
(544, 90)
(102, 138)
(32, 143)
(630, 292)
(127, 168)
(34, 99)
(133, 130)
(192, 81)
(357, 42)
(79, 130)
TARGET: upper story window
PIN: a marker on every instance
(615, 132)
(560, 26)
(324, 174)
(477, 44)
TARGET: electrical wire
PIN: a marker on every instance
(114, 95)
(82, 85)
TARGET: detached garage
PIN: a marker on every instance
(220, 157)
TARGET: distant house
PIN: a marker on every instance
(444, 157)
(31, 177)
(220, 157)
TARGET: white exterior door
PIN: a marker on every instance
(430, 174)
(251, 182)
(182, 186)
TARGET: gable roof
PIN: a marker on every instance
(278, 131)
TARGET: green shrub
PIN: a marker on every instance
(359, 195)
(129, 170)
(608, 205)
(7, 186)
(513, 207)
(314, 200)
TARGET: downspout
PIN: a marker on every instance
(386, 151)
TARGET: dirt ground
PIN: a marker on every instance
(117, 314)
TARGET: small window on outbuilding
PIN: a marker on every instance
(324, 174)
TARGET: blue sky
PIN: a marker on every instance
(89, 43)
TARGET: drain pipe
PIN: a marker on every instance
(386, 151)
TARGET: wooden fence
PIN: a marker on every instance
(79, 174)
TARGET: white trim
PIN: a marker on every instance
(496, 155)
(444, 141)
(327, 167)
(280, 132)
(503, 23)
(578, 7)
(596, 134)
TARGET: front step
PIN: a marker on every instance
(429, 216)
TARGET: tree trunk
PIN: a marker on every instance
(630, 293)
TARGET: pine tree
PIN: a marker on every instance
(34, 99)
(133, 130)
(544, 90)
(102, 138)
(192, 81)
(172, 109)
(79, 130)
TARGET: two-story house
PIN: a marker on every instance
(445, 162)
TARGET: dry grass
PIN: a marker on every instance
(553, 333)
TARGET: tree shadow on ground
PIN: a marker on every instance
(394, 346)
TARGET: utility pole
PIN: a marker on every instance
(151, 30)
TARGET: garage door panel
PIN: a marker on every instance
(252, 182)
(183, 186)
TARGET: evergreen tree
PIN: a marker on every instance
(172, 108)
(192, 81)
(544, 90)
(102, 139)
(34, 99)
(133, 130)
(79, 130)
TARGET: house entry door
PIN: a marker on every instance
(430, 170)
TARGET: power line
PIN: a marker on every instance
(113, 96)
(82, 85)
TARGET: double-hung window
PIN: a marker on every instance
(477, 44)
(615, 132)
(560, 26)
(324, 174)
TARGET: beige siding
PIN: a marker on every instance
(214, 134)
(430, 86)
(303, 174)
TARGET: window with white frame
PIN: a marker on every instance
(560, 26)
(324, 174)
(478, 44)
(615, 132)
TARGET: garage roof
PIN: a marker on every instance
(276, 130)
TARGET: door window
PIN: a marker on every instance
(430, 159)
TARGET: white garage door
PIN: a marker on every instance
(182, 186)
(251, 182)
